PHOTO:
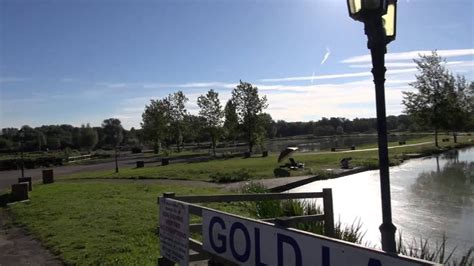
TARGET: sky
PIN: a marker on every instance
(83, 61)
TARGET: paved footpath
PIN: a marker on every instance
(18, 248)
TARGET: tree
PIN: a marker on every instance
(88, 137)
(430, 104)
(212, 114)
(249, 105)
(177, 112)
(155, 121)
(231, 123)
(460, 99)
(268, 125)
(113, 132)
(193, 131)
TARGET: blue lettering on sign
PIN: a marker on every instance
(245, 256)
(257, 248)
(220, 245)
(374, 262)
(222, 248)
(326, 260)
(290, 241)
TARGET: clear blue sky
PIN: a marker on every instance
(82, 61)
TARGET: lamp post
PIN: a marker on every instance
(379, 18)
(22, 138)
(116, 154)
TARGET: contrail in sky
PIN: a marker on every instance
(326, 56)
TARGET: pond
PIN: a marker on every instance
(430, 197)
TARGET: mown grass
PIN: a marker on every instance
(98, 223)
(262, 167)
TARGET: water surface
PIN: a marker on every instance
(430, 196)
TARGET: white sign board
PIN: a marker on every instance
(249, 242)
(174, 231)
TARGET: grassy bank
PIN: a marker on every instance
(116, 224)
(262, 167)
(97, 223)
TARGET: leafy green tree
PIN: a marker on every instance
(5, 144)
(193, 129)
(131, 137)
(460, 99)
(212, 115)
(88, 137)
(177, 112)
(430, 104)
(53, 142)
(249, 105)
(269, 126)
(113, 132)
(231, 123)
(155, 122)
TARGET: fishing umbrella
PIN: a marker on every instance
(286, 152)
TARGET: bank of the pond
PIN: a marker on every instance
(100, 223)
(263, 167)
(281, 184)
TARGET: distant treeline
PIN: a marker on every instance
(56, 137)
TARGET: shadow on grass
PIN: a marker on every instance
(4, 199)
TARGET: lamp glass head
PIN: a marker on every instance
(354, 6)
(389, 20)
(362, 9)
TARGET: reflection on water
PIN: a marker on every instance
(430, 197)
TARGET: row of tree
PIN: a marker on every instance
(56, 137)
(442, 101)
(164, 120)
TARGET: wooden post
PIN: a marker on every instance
(162, 261)
(20, 191)
(168, 195)
(48, 176)
(28, 180)
(328, 212)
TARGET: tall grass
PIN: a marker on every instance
(437, 252)
(287, 208)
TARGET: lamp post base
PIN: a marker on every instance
(388, 237)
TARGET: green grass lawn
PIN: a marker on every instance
(259, 167)
(98, 223)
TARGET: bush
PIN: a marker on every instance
(234, 176)
(15, 164)
(280, 172)
(136, 149)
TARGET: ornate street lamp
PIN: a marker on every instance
(379, 18)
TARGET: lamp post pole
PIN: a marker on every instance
(378, 47)
(22, 137)
(116, 160)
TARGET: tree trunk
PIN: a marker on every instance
(436, 136)
(250, 140)
(179, 140)
(214, 146)
(156, 146)
(455, 137)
